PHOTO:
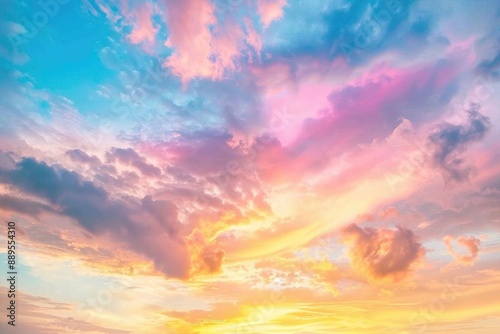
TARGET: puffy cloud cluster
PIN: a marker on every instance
(207, 46)
(270, 10)
(166, 223)
(382, 253)
(451, 140)
(212, 259)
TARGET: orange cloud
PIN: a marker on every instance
(472, 244)
(143, 30)
(382, 253)
(206, 256)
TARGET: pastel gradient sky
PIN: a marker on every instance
(251, 166)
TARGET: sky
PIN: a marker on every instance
(251, 166)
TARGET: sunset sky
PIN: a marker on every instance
(251, 166)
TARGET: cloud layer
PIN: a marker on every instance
(382, 253)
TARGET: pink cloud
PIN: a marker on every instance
(253, 38)
(382, 253)
(143, 29)
(471, 244)
(188, 23)
(272, 78)
(336, 118)
(270, 10)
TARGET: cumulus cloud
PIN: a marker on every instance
(382, 253)
(204, 44)
(471, 244)
(98, 212)
(6, 161)
(451, 140)
(188, 22)
(130, 157)
(144, 29)
(488, 49)
(24, 206)
(80, 156)
(270, 10)
(212, 259)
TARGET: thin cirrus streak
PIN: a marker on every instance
(234, 166)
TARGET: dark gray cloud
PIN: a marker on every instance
(451, 140)
(97, 212)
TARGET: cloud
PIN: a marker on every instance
(49, 316)
(471, 244)
(164, 212)
(189, 23)
(97, 212)
(22, 205)
(270, 10)
(80, 156)
(212, 259)
(143, 30)
(382, 214)
(130, 157)
(253, 38)
(207, 256)
(203, 154)
(205, 45)
(382, 253)
(6, 161)
(306, 143)
(487, 48)
(451, 140)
